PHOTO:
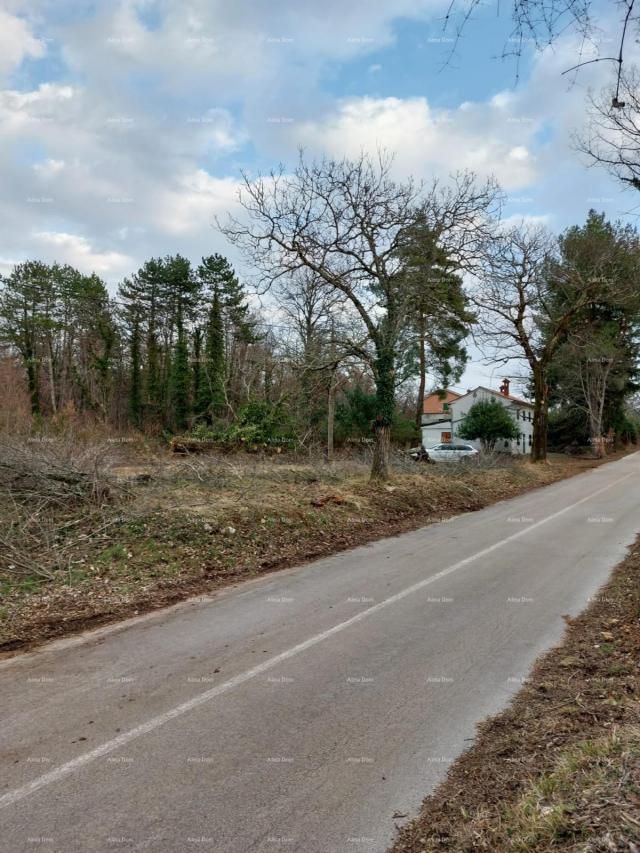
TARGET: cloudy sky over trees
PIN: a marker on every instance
(124, 125)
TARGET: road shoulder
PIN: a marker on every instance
(560, 767)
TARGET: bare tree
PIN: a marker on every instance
(343, 221)
(326, 335)
(526, 301)
(542, 22)
(594, 372)
(590, 364)
(612, 137)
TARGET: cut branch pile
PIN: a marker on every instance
(54, 495)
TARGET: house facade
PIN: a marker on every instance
(441, 423)
(436, 418)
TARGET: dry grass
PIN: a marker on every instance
(177, 526)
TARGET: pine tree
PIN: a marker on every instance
(27, 320)
(212, 398)
(217, 274)
(141, 295)
(180, 378)
(135, 388)
(438, 315)
(197, 371)
(166, 293)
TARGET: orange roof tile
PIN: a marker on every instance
(433, 403)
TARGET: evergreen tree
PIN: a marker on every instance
(141, 295)
(489, 421)
(217, 275)
(595, 370)
(135, 388)
(438, 315)
(212, 386)
(23, 318)
(166, 294)
(180, 378)
(197, 372)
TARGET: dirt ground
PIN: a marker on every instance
(560, 768)
(184, 526)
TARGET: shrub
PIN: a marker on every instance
(489, 421)
(355, 415)
(257, 424)
(567, 428)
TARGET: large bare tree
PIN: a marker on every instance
(590, 362)
(343, 220)
(526, 300)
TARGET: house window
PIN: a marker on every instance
(445, 407)
(529, 416)
(530, 441)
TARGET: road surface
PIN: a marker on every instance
(311, 709)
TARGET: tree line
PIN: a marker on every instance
(373, 287)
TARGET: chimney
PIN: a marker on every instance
(504, 388)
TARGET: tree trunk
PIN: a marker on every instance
(331, 412)
(32, 381)
(52, 379)
(385, 401)
(596, 438)
(381, 452)
(423, 375)
(540, 417)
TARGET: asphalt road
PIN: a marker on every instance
(302, 711)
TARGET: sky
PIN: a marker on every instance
(125, 124)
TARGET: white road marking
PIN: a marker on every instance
(69, 767)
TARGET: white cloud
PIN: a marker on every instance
(138, 146)
(49, 168)
(39, 106)
(78, 252)
(427, 141)
(16, 42)
(192, 203)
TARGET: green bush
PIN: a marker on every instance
(489, 421)
(567, 428)
(356, 412)
(404, 430)
(627, 430)
(257, 424)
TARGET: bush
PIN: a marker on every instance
(258, 424)
(489, 421)
(627, 430)
(568, 430)
(404, 430)
(355, 415)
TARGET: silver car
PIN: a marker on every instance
(451, 451)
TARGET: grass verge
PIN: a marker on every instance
(559, 769)
(193, 525)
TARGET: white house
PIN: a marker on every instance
(443, 414)
(436, 417)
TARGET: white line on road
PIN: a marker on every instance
(63, 770)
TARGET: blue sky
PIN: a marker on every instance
(124, 124)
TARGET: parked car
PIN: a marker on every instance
(451, 451)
